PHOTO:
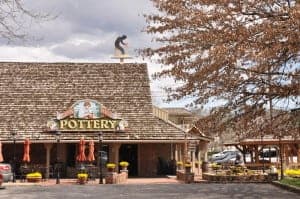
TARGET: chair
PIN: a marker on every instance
(24, 170)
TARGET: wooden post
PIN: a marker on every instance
(48, 147)
(199, 159)
(115, 155)
(256, 154)
(193, 161)
(176, 153)
(298, 154)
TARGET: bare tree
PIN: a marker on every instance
(15, 19)
(244, 53)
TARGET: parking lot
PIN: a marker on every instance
(148, 191)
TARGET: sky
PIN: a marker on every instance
(84, 31)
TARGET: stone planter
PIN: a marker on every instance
(235, 178)
(111, 178)
(204, 167)
(110, 169)
(187, 169)
(179, 167)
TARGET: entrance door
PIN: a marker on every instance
(128, 153)
(71, 155)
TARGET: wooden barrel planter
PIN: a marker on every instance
(34, 179)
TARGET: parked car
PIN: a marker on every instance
(221, 155)
(269, 153)
(5, 170)
(230, 157)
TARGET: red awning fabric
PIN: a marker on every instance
(1, 156)
(81, 155)
(26, 156)
(91, 156)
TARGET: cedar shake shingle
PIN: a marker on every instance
(32, 93)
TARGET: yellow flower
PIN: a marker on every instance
(110, 165)
(124, 164)
(34, 175)
(215, 166)
(82, 175)
(179, 163)
(292, 172)
(188, 165)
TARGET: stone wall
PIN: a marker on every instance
(239, 178)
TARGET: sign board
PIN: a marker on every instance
(87, 115)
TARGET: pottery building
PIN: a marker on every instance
(40, 101)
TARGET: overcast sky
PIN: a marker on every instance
(84, 31)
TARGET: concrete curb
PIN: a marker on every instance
(52, 182)
(287, 187)
(229, 182)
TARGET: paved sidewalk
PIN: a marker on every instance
(149, 191)
(161, 180)
(166, 180)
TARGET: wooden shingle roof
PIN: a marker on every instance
(32, 93)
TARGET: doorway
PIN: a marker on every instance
(128, 153)
(71, 155)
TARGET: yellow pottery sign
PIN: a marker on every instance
(87, 115)
(90, 125)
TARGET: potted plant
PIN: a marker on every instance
(34, 177)
(110, 167)
(124, 165)
(82, 178)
